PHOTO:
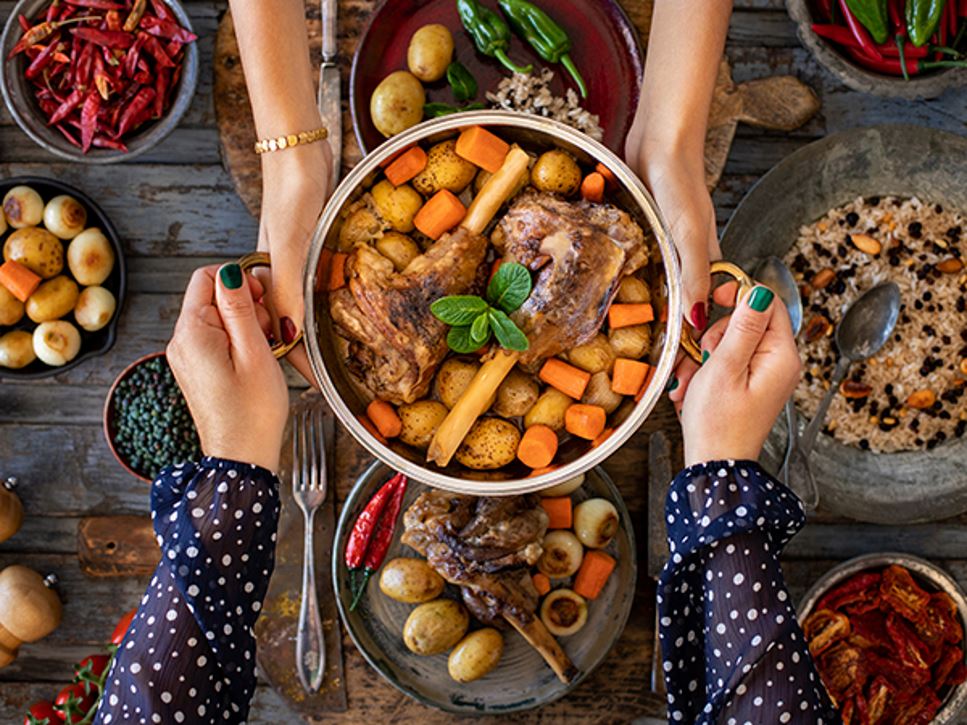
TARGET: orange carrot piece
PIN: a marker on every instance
(493, 269)
(20, 281)
(605, 434)
(585, 421)
(406, 166)
(537, 446)
(568, 379)
(558, 512)
(644, 386)
(541, 583)
(371, 427)
(440, 214)
(628, 376)
(608, 175)
(592, 188)
(389, 160)
(478, 146)
(323, 270)
(625, 315)
(385, 419)
(593, 574)
(337, 271)
(541, 471)
(663, 313)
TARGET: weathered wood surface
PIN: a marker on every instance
(176, 209)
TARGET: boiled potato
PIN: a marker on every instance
(16, 350)
(3, 223)
(516, 395)
(435, 627)
(53, 299)
(564, 612)
(23, 207)
(430, 52)
(11, 309)
(397, 103)
(420, 421)
(562, 555)
(595, 522)
(556, 171)
(599, 392)
(397, 205)
(65, 217)
(632, 290)
(594, 356)
(491, 443)
(631, 342)
(90, 257)
(477, 655)
(36, 249)
(360, 227)
(564, 489)
(410, 581)
(398, 248)
(95, 308)
(453, 378)
(549, 410)
(444, 170)
(56, 343)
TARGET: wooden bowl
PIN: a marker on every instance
(110, 428)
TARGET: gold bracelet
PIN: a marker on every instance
(278, 143)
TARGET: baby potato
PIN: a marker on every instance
(430, 52)
(90, 257)
(53, 299)
(435, 627)
(360, 227)
(3, 222)
(65, 217)
(11, 309)
(410, 581)
(564, 612)
(420, 421)
(476, 655)
(557, 172)
(491, 443)
(631, 342)
(23, 207)
(398, 248)
(564, 489)
(16, 350)
(95, 308)
(595, 522)
(452, 379)
(562, 555)
(444, 170)
(599, 392)
(516, 395)
(36, 249)
(549, 410)
(397, 103)
(56, 343)
(397, 205)
(594, 356)
(633, 290)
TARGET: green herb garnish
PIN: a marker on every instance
(473, 319)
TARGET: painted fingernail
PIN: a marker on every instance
(288, 329)
(672, 385)
(760, 299)
(231, 275)
(699, 316)
(705, 355)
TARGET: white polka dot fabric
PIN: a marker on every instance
(189, 655)
(733, 651)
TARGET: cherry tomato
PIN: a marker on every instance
(122, 627)
(73, 702)
(42, 712)
(94, 665)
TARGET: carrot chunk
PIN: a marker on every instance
(537, 446)
(337, 270)
(478, 146)
(371, 428)
(558, 512)
(592, 188)
(440, 214)
(541, 583)
(605, 434)
(385, 419)
(620, 315)
(323, 270)
(595, 569)
(568, 379)
(406, 166)
(585, 421)
(644, 386)
(389, 160)
(628, 376)
(18, 279)
(541, 471)
(609, 177)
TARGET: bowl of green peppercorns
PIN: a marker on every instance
(147, 423)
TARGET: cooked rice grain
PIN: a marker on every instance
(531, 93)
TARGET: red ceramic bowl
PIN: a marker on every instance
(110, 429)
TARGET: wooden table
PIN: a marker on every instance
(176, 209)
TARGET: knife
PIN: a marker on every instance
(330, 105)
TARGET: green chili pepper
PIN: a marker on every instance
(922, 17)
(489, 32)
(461, 81)
(872, 15)
(545, 36)
(435, 110)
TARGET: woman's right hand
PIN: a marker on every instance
(729, 404)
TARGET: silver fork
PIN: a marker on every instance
(309, 491)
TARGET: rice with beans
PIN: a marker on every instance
(911, 395)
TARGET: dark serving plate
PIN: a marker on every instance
(92, 343)
(606, 50)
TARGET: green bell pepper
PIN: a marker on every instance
(873, 16)
(489, 32)
(922, 18)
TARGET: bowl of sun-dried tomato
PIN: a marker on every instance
(886, 632)
(98, 81)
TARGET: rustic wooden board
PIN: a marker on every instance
(116, 546)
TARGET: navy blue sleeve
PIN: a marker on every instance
(733, 651)
(189, 654)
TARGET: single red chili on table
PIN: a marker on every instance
(366, 522)
(380, 542)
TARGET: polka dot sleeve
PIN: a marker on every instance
(189, 655)
(732, 648)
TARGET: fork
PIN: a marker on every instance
(309, 491)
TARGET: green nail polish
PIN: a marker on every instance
(673, 384)
(760, 299)
(231, 275)
(705, 356)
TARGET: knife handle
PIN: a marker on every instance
(328, 9)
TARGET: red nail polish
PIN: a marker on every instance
(699, 317)
(288, 329)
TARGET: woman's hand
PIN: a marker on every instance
(233, 384)
(728, 405)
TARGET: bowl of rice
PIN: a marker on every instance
(845, 213)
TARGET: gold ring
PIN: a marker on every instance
(746, 283)
(261, 259)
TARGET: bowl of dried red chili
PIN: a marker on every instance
(886, 632)
(98, 81)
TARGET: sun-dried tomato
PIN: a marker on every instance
(862, 711)
(878, 699)
(823, 628)
(846, 712)
(903, 594)
(862, 587)
(910, 648)
(958, 675)
(869, 629)
(945, 665)
(841, 670)
(917, 710)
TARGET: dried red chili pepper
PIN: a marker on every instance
(153, 46)
(67, 134)
(135, 15)
(96, 4)
(134, 115)
(133, 55)
(42, 60)
(69, 104)
(92, 104)
(162, 10)
(82, 68)
(24, 23)
(903, 594)
(52, 10)
(103, 142)
(40, 32)
(102, 81)
(105, 38)
(167, 29)
(112, 20)
(160, 90)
